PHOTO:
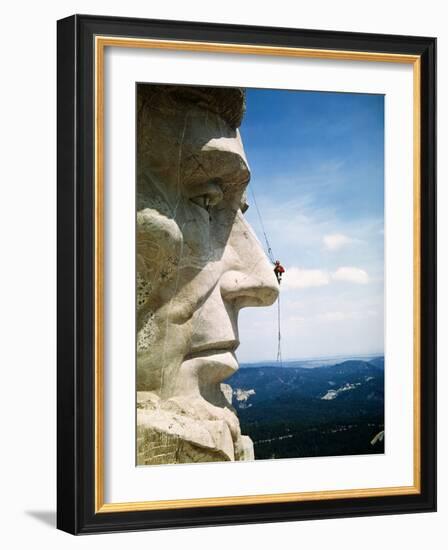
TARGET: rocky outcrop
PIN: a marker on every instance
(174, 431)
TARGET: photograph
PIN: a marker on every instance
(259, 274)
(246, 254)
(223, 292)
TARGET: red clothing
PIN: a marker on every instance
(279, 269)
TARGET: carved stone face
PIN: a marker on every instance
(198, 264)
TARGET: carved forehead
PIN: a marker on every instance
(228, 103)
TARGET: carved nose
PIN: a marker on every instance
(250, 289)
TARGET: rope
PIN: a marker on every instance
(268, 246)
(279, 346)
(271, 257)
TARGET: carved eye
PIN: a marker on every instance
(203, 201)
(244, 206)
(210, 195)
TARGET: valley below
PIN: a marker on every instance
(295, 410)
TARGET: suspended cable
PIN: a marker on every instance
(268, 246)
(279, 343)
(271, 257)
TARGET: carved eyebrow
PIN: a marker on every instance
(227, 167)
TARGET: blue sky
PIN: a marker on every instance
(317, 164)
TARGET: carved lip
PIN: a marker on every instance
(215, 361)
(213, 366)
(213, 348)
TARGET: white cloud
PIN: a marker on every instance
(333, 316)
(295, 304)
(295, 277)
(340, 316)
(335, 241)
(371, 313)
(351, 275)
(296, 319)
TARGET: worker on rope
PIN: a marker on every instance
(279, 270)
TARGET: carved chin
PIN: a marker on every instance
(197, 423)
(188, 430)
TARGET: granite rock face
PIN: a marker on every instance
(174, 431)
(198, 264)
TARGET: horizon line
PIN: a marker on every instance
(316, 357)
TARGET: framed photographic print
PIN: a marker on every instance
(246, 274)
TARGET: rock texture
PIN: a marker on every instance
(176, 431)
(198, 264)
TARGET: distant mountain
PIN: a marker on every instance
(292, 411)
(316, 362)
(377, 361)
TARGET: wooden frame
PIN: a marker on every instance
(81, 43)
